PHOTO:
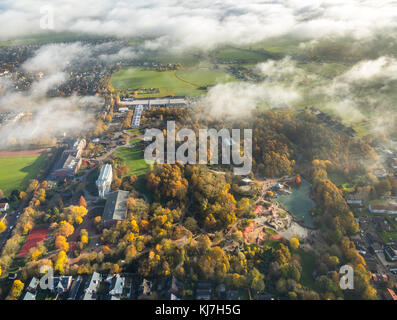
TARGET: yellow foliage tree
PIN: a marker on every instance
(2, 226)
(294, 243)
(61, 243)
(16, 289)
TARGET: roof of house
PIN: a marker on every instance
(33, 283)
(389, 294)
(117, 284)
(62, 283)
(75, 288)
(116, 206)
(29, 296)
(90, 291)
(3, 205)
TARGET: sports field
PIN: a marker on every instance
(17, 170)
(188, 82)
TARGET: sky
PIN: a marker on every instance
(180, 25)
(206, 23)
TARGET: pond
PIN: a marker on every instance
(299, 203)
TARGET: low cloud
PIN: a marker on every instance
(237, 99)
(205, 24)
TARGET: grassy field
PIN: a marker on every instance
(188, 82)
(308, 266)
(133, 159)
(15, 172)
(201, 77)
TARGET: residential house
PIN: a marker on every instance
(204, 290)
(75, 288)
(4, 206)
(376, 247)
(93, 285)
(33, 284)
(116, 286)
(29, 296)
(62, 284)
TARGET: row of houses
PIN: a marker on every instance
(67, 288)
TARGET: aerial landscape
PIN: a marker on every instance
(198, 150)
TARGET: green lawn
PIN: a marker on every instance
(388, 236)
(308, 264)
(15, 172)
(133, 159)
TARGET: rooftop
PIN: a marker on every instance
(116, 206)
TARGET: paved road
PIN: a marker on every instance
(10, 220)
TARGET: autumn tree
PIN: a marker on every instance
(294, 243)
(16, 289)
(2, 226)
(82, 202)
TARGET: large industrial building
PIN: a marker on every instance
(170, 102)
(136, 119)
(104, 181)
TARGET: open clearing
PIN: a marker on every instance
(17, 170)
(133, 159)
(188, 82)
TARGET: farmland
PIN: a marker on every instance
(16, 171)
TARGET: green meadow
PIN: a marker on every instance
(187, 82)
(15, 172)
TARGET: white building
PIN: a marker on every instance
(105, 180)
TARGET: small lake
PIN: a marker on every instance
(299, 203)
